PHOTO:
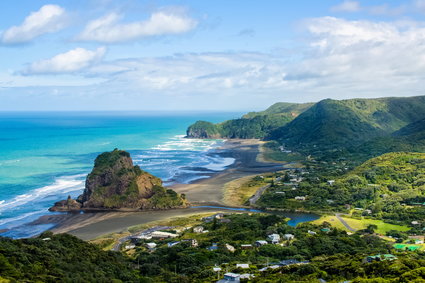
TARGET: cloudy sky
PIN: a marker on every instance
(206, 55)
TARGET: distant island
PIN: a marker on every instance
(116, 184)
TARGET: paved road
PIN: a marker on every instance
(258, 194)
(338, 216)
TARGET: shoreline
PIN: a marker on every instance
(201, 192)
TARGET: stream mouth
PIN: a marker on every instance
(295, 217)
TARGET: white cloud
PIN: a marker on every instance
(347, 6)
(108, 28)
(50, 18)
(420, 5)
(364, 57)
(68, 62)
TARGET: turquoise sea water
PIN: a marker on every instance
(44, 157)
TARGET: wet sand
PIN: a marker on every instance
(202, 192)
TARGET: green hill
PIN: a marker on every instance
(331, 123)
(282, 108)
(391, 187)
(415, 130)
(61, 258)
(251, 125)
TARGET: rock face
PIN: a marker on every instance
(115, 183)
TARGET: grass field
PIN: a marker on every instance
(407, 247)
(383, 227)
(331, 219)
(360, 224)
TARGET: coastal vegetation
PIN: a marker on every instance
(238, 243)
(354, 128)
(254, 125)
(390, 187)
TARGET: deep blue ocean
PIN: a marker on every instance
(44, 157)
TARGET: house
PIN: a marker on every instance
(330, 182)
(230, 277)
(269, 267)
(216, 269)
(193, 242)
(163, 235)
(219, 215)
(288, 262)
(198, 229)
(419, 242)
(246, 276)
(151, 246)
(379, 257)
(230, 248)
(242, 265)
(214, 247)
(326, 230)
(172, 244)
(142, 236)
(302, 198)
(130, 246)
(273, 238)
(260, 243)
(46, 239)
(415, 222)
(312, 232)
(246, 246)
(288, 237)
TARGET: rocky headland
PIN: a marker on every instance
(116, 184)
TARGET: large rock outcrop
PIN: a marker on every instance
(115, 183)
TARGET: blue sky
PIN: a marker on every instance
(206, 55)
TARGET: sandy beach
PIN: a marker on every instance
(200, 193)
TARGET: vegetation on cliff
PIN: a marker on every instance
(252, 125)
(361, 128)
(115, 183)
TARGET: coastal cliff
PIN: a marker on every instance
(115, 183)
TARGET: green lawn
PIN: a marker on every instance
(407, 247)
(360, 224)
(332, 220)
(383, 227)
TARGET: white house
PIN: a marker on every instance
(288, 237)
(151, 246)
(198, 229)
(230, 277)
(160, 234)
(242, 265)
(230, 248)
(260, 243)
(274, 238)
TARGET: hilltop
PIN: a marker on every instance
(350, 122)
(115, 183)
(359, 126)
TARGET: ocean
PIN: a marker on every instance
(44, 157)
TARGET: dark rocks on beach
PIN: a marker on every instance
(115, 183)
